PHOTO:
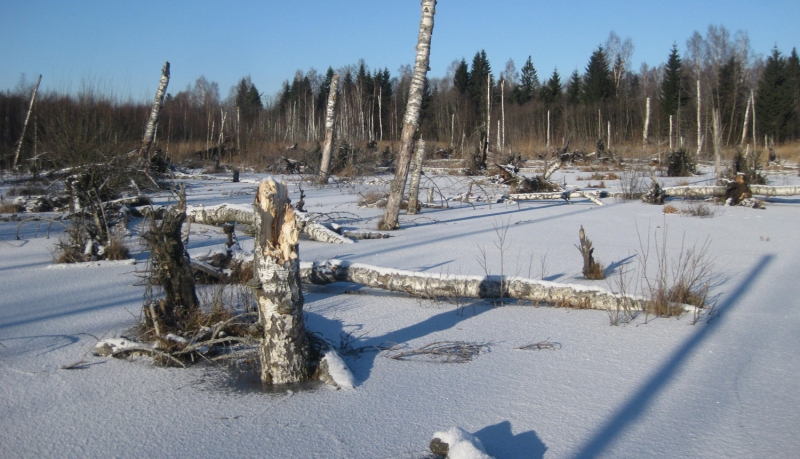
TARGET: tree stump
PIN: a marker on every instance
(591, 269)
(284, 353)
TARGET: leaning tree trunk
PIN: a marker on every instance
(152, 123)
(416, 171)
(330, 122)
(284, 352)
(411, 120)
(25, 125)
(717, 132)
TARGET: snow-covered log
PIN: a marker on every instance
(363, 234)
(593, 196)
(719, 191)
(442, 285)
(284, 348)
(769, 191)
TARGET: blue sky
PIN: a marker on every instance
(119, 46)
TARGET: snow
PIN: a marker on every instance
(461, 444)
(657, 387)
(338, 370)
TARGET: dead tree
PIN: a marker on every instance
(411, 120)
(330, 122)
(416, 172)
(171, 270)
(25, 125)
(284, 353)
(591, 269)
(152, 122)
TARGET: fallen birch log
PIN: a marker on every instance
(719, 191)
(593, 196)
(443, 285)
(223, 213)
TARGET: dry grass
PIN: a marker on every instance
(9, 208)
(373, 199)
(670, 209)
(445, 352)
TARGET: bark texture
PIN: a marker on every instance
(330, 122)
(416, 172)
(565, 195)
(411, 119)
(25, 125)
(441, 285)
(152, 123)
(284, 349)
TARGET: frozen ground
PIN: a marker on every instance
(722, 388)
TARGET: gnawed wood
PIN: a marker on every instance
(284, 351)
(453, 286)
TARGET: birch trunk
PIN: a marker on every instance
(670, 133)
(25, 125)
(411, 120)
(448, 286)
(744, 125)
(284, 350)
(330, 122)
(152, 123)
(565, 195)
(715, 121)
(646, 124)
(547, 148)
(699, 132)
(416, 171)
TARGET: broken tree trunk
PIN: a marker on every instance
(330, 123)
(452, 286)
(284, 352)
(591, 269)
(411, 120)
(152, 123)
(171, 269)
(416, 172)
(25, 125)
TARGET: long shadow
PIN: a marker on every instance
(49, 316)
(493, 214)
(362, 366)
(449, 236)
(639, 402)
(499, 441)
(616, 264)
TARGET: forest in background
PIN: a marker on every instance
(472, 106)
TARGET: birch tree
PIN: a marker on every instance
(152, 123)
(411, 120)
(25, 125)
(330, 123)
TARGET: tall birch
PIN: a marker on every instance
(330, 122)
(411, 120)
(152, 123)
(25, 125)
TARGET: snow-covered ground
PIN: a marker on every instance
(657, 387)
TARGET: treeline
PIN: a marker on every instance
(471, 108)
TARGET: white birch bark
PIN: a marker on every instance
(717, 132)
(152, 123)
(25, 125)
(503, 114)
(552, 168)
(719, 191)
(444, 285)
(744, 125)
(699, 132)
(608, 143)
(548, 131)
(284, 349)
(411, 120)
(670, 133)
(566, 195)
(330, 122)
(416, 172)
(646, 124)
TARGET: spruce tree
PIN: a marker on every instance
(774, 100)
(573, 93)
(461, 77)
(793, 80)
(673, 95)
(597, 83)
(529, 83)
(551, 92)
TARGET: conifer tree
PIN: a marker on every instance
(774, 100)
(597, 83)
(529, 83)
(551, 92)
(674, 94)
(574, 88)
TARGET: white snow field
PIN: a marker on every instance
(725, 387)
